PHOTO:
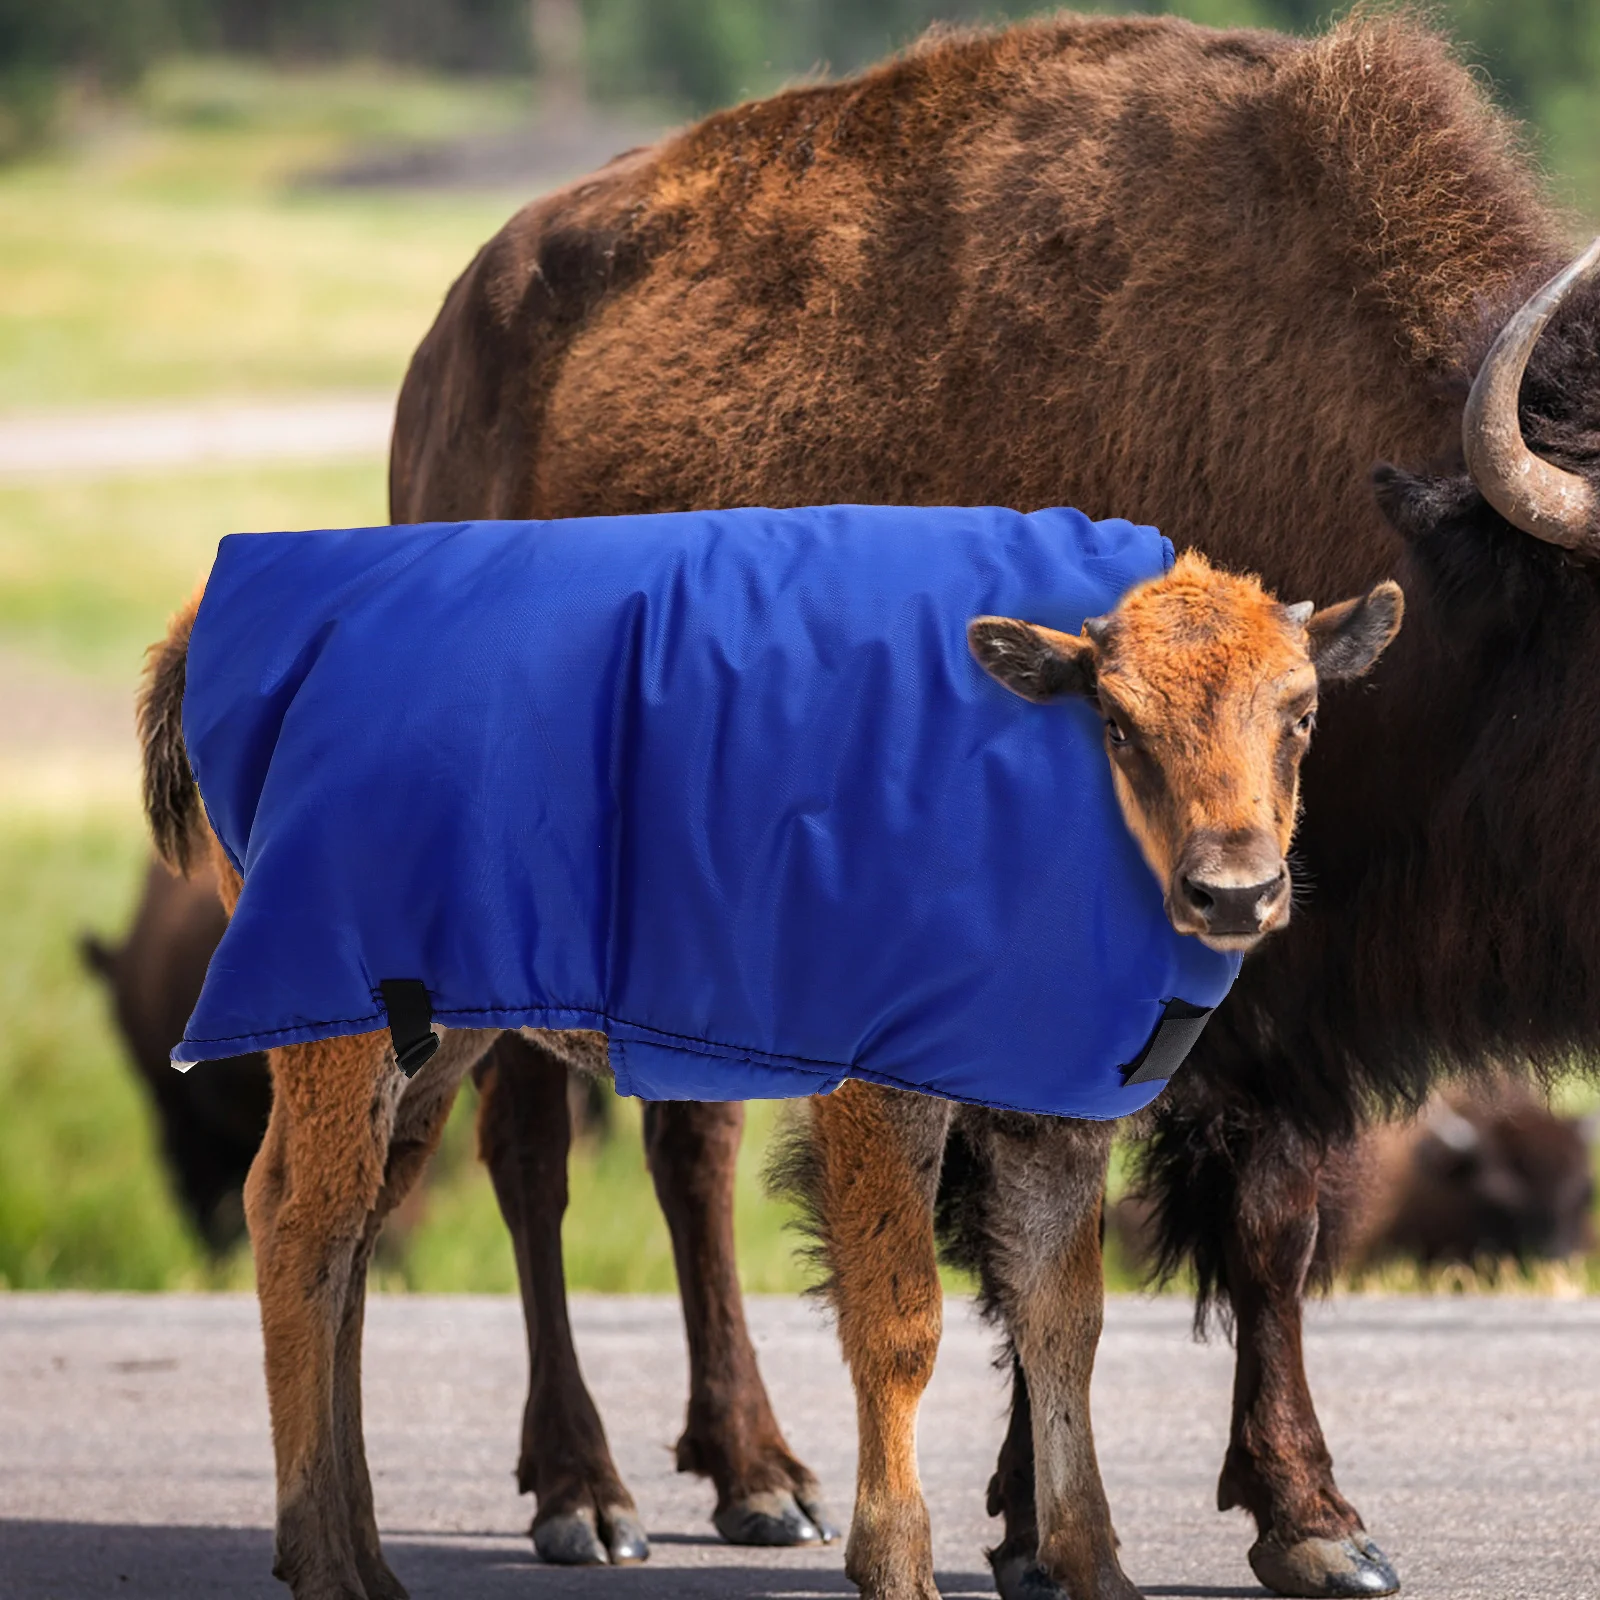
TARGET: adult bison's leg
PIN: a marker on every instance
(867, 1173)
(584, 1512)
(1237, 1194)
(1311, 1539)
(1032, 1227)
(764, 1495)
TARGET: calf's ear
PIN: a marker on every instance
(1037, 663)
(1344, 640)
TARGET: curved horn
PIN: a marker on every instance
(1529, 492)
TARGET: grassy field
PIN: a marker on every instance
(171, 250)
(169, 253)
(88, 572)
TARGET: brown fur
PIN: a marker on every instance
(1481, 1176)
(1208, 687)
(765, 1494)
(1207, 659)
(171, 801)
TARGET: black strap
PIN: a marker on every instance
(1180, 1026)
(410, 1021)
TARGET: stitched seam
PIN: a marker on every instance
(684, 1041)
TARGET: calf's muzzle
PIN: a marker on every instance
(1229, 891)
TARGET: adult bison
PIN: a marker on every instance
(1203, 279)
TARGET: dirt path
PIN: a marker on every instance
(198, 433)
(65, 741)
(134, 1455)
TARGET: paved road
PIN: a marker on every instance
(120, 438)
(134, 1456)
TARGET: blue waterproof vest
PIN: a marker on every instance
(727, 786)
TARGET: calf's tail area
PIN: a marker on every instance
(171, 800)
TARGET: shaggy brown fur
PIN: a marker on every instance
(171, 801)
(1208, 688)
(1202, 279)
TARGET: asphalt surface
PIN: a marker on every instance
(135, 1458)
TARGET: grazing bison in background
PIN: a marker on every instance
(210, 1122)
(1479, 1177)
(1204, 279)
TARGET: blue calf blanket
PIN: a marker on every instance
(727, 786)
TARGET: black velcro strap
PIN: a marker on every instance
(1180, 1025)
(410, 1021)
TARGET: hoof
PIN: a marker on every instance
(1324, 1569)
(826, 1524)
(570, 1539)
(1022, 1578)
(575, 1539)
(773, 1518)
(626, 1541)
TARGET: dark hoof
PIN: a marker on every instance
(826, 1524)
(570, 1539)
(774, 1518)
(626, 1540)
(1022, 1578)
(1324, 1569)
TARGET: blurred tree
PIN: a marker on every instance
(558, 52)
(1543, 55)
(45, 44)
(453, 35)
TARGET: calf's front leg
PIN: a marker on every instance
(1036, 1241)
(869, 1177)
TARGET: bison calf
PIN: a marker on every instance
(1208, 689)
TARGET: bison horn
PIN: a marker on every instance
(1530, 493)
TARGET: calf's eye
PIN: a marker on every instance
(1306, 723)
(1115, 731)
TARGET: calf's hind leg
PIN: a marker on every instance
(867, 1173)
(312, 1201)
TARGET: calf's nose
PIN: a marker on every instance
(1233, 909)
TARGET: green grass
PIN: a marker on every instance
(168, 252)
(89, 571)
(83, 1199)
(91, 568)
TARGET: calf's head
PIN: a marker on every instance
(1208, 690)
